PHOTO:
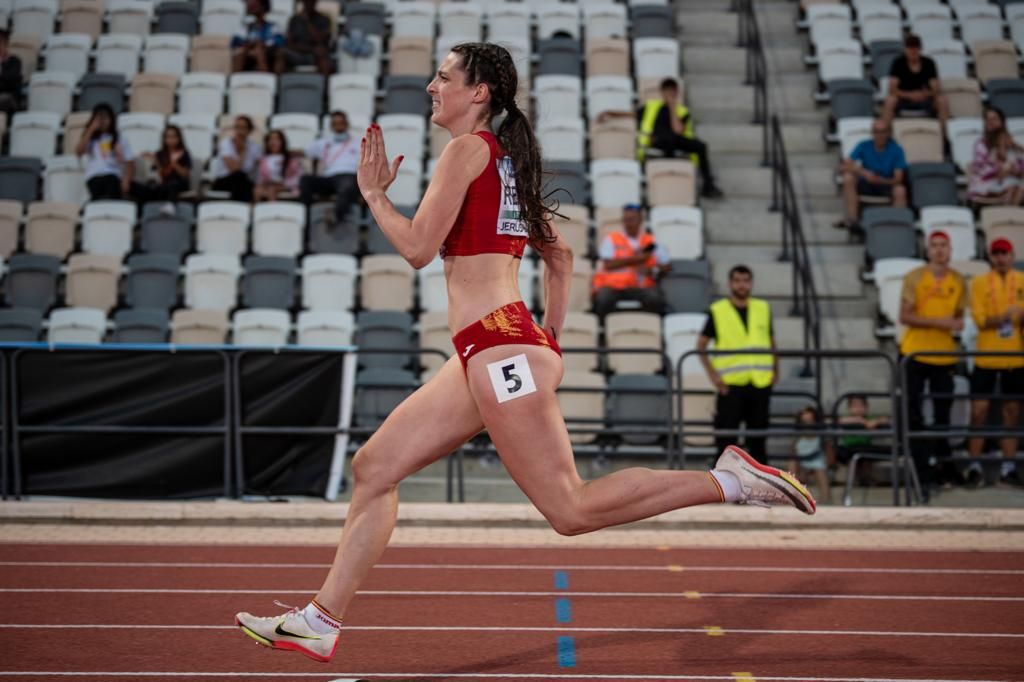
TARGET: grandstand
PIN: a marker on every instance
(217, 271)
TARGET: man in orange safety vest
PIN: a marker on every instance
(631, 264)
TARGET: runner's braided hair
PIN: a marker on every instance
(492, 65)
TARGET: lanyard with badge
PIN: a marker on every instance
(1005, 329)
(337, 150)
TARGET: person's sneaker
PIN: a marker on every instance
(168, 209)
(289, 631)
(974, 477)
(763, 485)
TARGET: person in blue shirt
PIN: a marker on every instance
(255, 51)
(876, 168)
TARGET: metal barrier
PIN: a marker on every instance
(818, 355)
(756, 68)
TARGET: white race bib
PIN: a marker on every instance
(509, 222)
(511, 378)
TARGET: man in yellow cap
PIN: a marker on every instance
(997, 306)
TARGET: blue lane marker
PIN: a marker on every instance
(566, 652)
(563, 611)
(561, 580)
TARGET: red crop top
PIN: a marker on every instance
(488, 221)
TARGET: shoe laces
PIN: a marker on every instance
(291, 610)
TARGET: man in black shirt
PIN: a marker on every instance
(10, 78)
(914, 85)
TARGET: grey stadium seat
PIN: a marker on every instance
(652, 21)
(101, 88)
(325, 236)
(567, 180)
(889, 233)
(19, 178)
(152, 281)
(20, 325)
(932, 184)
(300, 93)
(269, 282)
(141, 325)
(1007, 94)
(177, 17)
(382, 330)
(850, 97)
(687, 286)
(559, 56)
(182, 209)
(639, 402)
(170, 234)
(32, 280)
(367, 17)
(406, 95)
(379, 390)
(883, 53)
(376, 242)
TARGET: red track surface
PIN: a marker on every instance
(631, 614)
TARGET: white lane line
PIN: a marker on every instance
(688, 594)
(674, 568)
(489, 676)
(471, 628)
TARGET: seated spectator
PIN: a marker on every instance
(932, 310)
(914, 85)
(108, 166)
(337, 156)
(631, 263)
(997, 169)
(875, 168)
(810, 454)
(10, 77)
(307, 41)
(237, 159)
(670, 134)
(997, 305)
(256, 50)
(858, 418)
(173, 166)
(278, 170)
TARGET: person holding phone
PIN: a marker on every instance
(631, 265)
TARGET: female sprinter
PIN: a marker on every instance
(482, 206)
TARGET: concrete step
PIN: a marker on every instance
(854, 333)
(723, 58)
(774, 280)
(830, 254)
(707, 27)
(744, 181)
(740, 220)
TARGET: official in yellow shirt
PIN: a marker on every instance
(932, 309)
(997, 306)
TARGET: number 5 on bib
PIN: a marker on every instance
(511, 378)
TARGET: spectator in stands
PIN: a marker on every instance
(875, 168)
(997, 305)
(670, 134)
(914, 85)
(108, 166)
(337, 156)
(279, 169)
(810, 451)
(997, 169)
(237, 159)
(932, 309)
(307, 41)
(173, 166)
(857, 417)
(10, 77)
(744, 380)
(631, 265)
(256, 49)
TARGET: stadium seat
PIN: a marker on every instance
(251, 93)
(301, 93)
(581, 398)
(211, 281)
(68, 52)
(409, 56)
(269, 282)
(223, 227)
(34, 133)
(1007, 94)
(580, 331)
(652, 21)
(573, 227)
(51, 91)
(566, 182)
(20, 325)
(19, 178)
(260, 327)
(277, 228)
(616, 182)
(889, 232)
(978, 21)
(681, 331)
(615, 138)
(143, 131)
(199, 327)
(608, 93)
(387, 283)
(102, 88)
(34, 17)
(851, 98)
(921, 139)
(840, 59)
(403, 135)
(405, 190)
(211, 54)
(1015, 20)
(368, 64)
(604, 20)
(153, 92)
(10, 226)
(950, 57)
(367, 17)
(31, 281)
(166, 53)
(202, 93)
(129, 17)
(383, 330)
(412, 18)
(883, 54)
(829, 22)
(222, 18)
(328, 281)
(640, 403)
(994, 59)
(325, 236)
(152, 281)
(77, 325)
(379, 390)
(962, 134)
(633, 330)
(680, 229)
(92, 281)
(1006, 222)
(406, 95)
(931, 184)
(561, 138)
(687, 287)
(140, 325)
(963, 97)
(118, 54)
(559, 56)
(880, 21)
(64, 180)
(50, 228)
(82, 16)
(889, 274)
(353, 93)
(507, 21)
(434, 335)
(608, 56)
(579, 292)
(462, 20)
(958, 223)
(557, 18)
(670, 182)
(107, 227)
(177, 17)
(198, 132)
(656, 58)
(558, 96)
(325, 328)
(170, 234)
(932, 22)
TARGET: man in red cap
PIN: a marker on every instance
(997, 305)
(932, 310)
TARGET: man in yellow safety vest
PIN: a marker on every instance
(744, 380)
(670, 134)
(631, 263)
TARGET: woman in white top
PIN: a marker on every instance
(238, 157)
(108, 166)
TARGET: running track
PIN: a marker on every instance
(149, 612)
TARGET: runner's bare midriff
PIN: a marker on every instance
(478, 285)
